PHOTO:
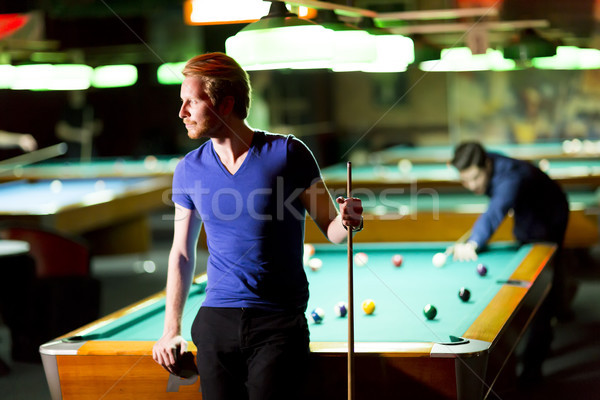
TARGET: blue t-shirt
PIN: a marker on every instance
(540, 206)
(253, 219)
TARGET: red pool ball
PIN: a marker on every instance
(397, 260)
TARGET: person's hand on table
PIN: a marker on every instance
(465, 251)
(351, 210)
(168, 350)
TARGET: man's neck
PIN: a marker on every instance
(232, 148)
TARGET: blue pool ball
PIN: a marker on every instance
(464, 294)
(317, 315)
(341, 309)
(481, 269)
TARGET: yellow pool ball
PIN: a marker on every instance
(368, 306)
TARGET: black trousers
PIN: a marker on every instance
(251, 354)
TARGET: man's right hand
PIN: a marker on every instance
(167, 350)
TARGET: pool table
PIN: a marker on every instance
(111, 213)
(557, 150)
(393, 215)
(397, 350)
(570, 173)
(100, 167)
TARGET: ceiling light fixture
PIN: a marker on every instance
(351, 46)
(461, 59)
(394, 52)
(281, 40)
(569, 58)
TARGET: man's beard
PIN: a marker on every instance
(207, 128)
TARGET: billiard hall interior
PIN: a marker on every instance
(89, 224)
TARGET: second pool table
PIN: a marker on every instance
(111, 213)
(398, 351)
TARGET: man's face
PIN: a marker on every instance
(475, 178)
(200, 117)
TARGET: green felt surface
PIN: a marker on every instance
(400, 293)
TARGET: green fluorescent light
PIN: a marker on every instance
(7, 75)
(114, 76)
(569, 58)
(170, 73)
(70, 77)
(304, 46)
(32, 77)
(461, 59)
(352, 49)
(281, 40)
(394, 53)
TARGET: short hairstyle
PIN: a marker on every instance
(468, 154)
(222, 76)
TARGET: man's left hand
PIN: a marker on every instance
(351, 210)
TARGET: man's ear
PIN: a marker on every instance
(226, 106)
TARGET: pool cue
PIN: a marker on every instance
(33, 157)
(350, 295)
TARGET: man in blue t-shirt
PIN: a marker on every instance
(251, 190)
(540, 211)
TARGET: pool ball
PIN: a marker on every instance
(397, 260)
(340, 309)
(56, 186)
(368, 306)
(429, 311)
(309, 249)
(405, 166)
(464, 294)
(315, 264)
(317, 315)
(361, 259)
(481, 269)
(439, 259)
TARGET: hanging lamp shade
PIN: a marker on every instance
(281, 40)
(569, 58)
(393, 52)
(352, 47)
(530, 45)
(461, 59)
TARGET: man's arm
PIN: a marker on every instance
(182, 259)
(320, 206)
(502, 201)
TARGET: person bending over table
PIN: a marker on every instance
(541, 213)
(251, 190)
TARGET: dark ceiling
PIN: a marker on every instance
(149, 31)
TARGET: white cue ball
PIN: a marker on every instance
(361, 259)
(315, 264)
(439, 259)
